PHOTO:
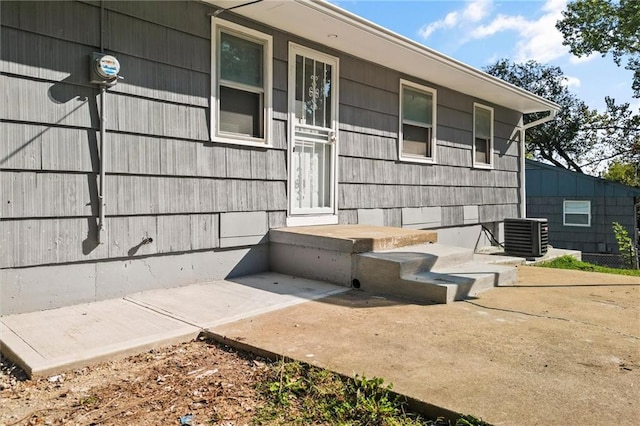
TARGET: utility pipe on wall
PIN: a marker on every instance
(101, 163)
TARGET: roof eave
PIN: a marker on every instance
(385, 47)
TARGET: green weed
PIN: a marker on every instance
(294, 393)
(570, 262)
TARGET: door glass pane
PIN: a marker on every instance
(310, 86)
(311, 166)
(327, 90)
(417, 106)
(313, 92)
(241, 60)
(299, 103)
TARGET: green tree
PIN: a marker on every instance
(562, 141)
(619, 127)
(624, 173)
(604, 26)
(579, 137)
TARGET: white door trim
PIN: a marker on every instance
(323, 215)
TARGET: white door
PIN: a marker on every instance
(313, 103)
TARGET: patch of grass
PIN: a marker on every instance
(570, 262)
(294, 393)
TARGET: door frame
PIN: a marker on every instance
(311, 218)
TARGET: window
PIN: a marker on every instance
(417, 122)
(241, 74)
(577, 213)
(482, 136)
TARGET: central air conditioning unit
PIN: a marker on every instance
(526, 237)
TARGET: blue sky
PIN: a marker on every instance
(478, 32)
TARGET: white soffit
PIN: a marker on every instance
(321, 22)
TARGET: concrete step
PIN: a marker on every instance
(433, 255)
(468, 279)
(429, 273)
(325, 252)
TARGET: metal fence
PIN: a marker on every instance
(608, 260)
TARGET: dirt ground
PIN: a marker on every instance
(212, 382)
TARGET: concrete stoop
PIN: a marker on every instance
(393, 261)
(429, 273)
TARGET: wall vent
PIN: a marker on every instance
(526, 237)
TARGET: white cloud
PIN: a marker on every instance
(477, 10)
(500, 23)
(582, 59)
(474, 11)
(538, 39)
(570, 82)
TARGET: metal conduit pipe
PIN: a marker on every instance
(101, 164)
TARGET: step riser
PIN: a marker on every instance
(312, 263)
(452, 260)
(379, 277)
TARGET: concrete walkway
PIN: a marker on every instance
(559, 347)
(51, 341)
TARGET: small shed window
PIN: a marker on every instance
(577, 213)
(417, 122)
(241, 84)
(482, 136)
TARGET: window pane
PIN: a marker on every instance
(578, 207)
(417, 106)
(482, 155)
(241, 112)
(483, 123)
(416, 140)
(241, 60)
(576, 219)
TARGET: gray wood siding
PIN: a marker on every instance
(64, 240)
(372, 177)
(165, 179)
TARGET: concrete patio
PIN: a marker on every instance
(558, 347)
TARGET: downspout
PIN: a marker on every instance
(523, 190)
(523, 130)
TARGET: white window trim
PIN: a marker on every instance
(564, 213)
(434, 93)
(267, 41)
(475, 163)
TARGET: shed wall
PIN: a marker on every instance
(548, 188)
